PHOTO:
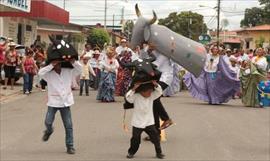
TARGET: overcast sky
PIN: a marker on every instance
(90, 12)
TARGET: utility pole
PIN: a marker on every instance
(113, 22)
(105, 15)
(64, 5)
(218, 19)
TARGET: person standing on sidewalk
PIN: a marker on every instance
(29, 70)
(11, 60)
(59, 75)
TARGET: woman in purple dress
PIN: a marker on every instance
(217, 82)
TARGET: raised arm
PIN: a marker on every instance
(43, 72)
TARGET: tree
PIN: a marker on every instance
(257, 16)
(98, 37)
(128, 27)
(253, 17)
(188, 24)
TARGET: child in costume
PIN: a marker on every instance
(59, 74)
(143, 96)
(84, 79)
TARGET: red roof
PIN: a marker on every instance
(256, 28)
(42, 10)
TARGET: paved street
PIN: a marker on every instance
(202, 132)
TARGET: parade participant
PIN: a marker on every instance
(3, 47)
(142, 96)
(264, 92)
(87, 52)
(94, 62)
(84, 79)
(29, 70)
(59, 74)
(39, 56)
(174, 87)
(122, 47)
(217, 82)
(251, 74)
(124, 74)
(227, 56)
(11, 60)
(108, 68)
(165, 67)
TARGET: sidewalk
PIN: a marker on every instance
(17, 92)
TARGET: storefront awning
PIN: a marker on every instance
(42, 11)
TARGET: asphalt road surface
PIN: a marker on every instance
(202, 131)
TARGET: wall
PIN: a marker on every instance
(253, 36)
(9, 28)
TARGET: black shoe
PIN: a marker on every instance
(80, 94)
(129, 156)
(87, 94)
(160, 156)
(46, 135)
(71, 150)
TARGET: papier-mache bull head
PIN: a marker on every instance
(144, 70)
(186, 52)
(61, 50)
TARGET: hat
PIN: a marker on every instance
(228, 50)
(233, 58)
(11, 44)
(123, 40)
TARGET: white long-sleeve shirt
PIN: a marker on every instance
(143, 107)
(165, 66)
(59, 85)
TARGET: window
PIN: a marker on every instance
(28, 28)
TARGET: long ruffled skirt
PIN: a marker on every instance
(106, 87)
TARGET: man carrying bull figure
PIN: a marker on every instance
(160, 63)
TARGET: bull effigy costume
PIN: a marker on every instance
(62, 67)
(168, 44)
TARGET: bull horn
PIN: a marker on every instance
(138, 12)
(154, 19)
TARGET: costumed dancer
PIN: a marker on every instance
(174, 87)
(142, 96)
(108, 68)
(251, 74)
(216, 84)
(59, 74)
(94, 62)
(165, 67)
(124, 74)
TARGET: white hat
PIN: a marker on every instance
(11, 44)
(123, 40)
(228, 50)
(233, 58)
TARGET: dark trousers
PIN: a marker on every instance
(43, 83)
(136, 139)
(27, 82)
(159, 110)
(84, 82)
(66, 118)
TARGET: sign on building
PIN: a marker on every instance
(22, 5)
